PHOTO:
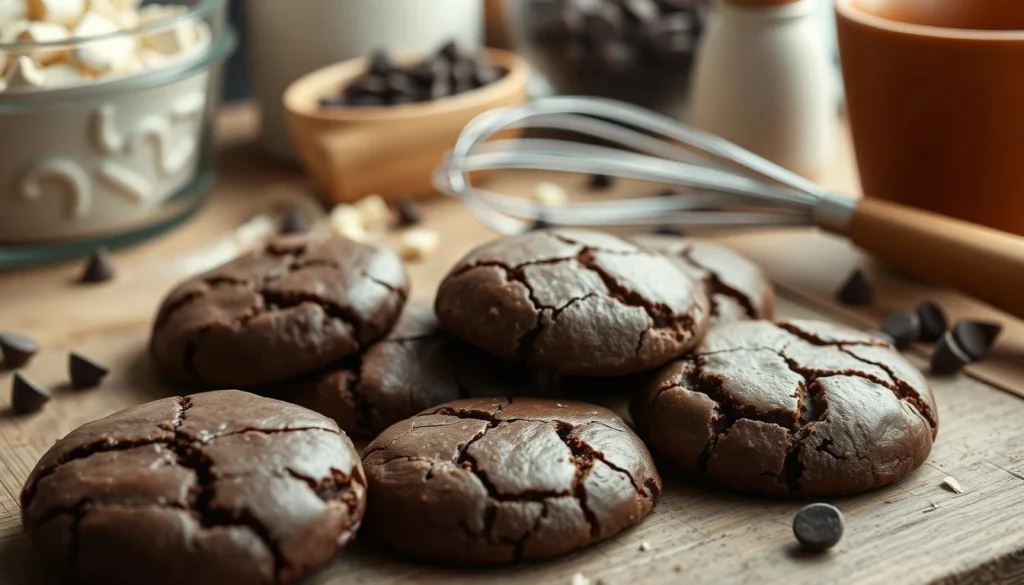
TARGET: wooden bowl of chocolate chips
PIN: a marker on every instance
(382, 125)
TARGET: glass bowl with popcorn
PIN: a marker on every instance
(105, 110)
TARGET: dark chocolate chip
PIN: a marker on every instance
(99, 267)
(541, 223)
(295, 221)
(27, 396)
(990, 330)
(409, 212)
(669, 230)
(399, 84)
(883, 336)
(600, 182)
(484, 73)
(904, 328)
(450, 51)
(857, 291)
(17, 349)
(380, 64)
(818, 527)
(933, 321)
(973, 339)
(369, 85)
(948, 357)
(442, 87)
(84, 372)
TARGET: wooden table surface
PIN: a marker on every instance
(913, 532)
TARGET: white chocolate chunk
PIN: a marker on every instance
(579, 579)
(173, 39)
(24, 74)
(63, 74)
(13, 10)
(102, 56)
(374, 211)
(44, 32)
(953, 485)
(419, 243)
(65, 12)
(346, 221)
(550, 193)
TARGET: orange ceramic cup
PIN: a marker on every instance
(935, 90)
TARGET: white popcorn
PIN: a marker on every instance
(13, 10)
(24, 74)
(550, 193)
(63, 74)
(126, 5)
(102, 56)
(43, 32)
(419, 243)
(171, 40)
(107, 9)
(65, 12)
(151, 58)
(346, 221)
(374, 211)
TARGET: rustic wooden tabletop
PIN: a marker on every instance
(913, 532)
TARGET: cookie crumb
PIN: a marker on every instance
(680, 567)
(346, 221)
(374, 212)
(419, 243)
(953, 485)
(645, 546)
(550, 193)
(579, 579)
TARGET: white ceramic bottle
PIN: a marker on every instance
(763, 80)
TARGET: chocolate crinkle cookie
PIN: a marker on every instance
(504, 480)
(801, 408)
(222, 487)
(574, 301)
(738, 290)
(295, 305)
(415, 367)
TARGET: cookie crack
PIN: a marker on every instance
(583, 460)
(813, 408)
(567, 240)
(292, 299)
(520, 543)
(205, 440)
(595, 454)
(815, 340)
(716, 285)
(901, 389)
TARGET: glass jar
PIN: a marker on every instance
(108, 156)
(639, 51)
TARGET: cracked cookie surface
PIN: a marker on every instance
(503, 480)
(415, 367)
(737, 288)
(295, 305)
(577, 302)
(220, 487)
(801, 408)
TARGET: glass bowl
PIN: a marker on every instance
(108, 159)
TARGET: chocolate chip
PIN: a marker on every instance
(295, 221)
(933, 321)
(600, 182)
(99, 267)
(17, 349)
(484, 73)
(380, 64)
(84, 372)
(904, 328)
(975, 338)
(450, 51)
(409, 212)
(857, 291)
(27, 396)
(990, 330)
(668, 230)
(948, 357)
(818, 527)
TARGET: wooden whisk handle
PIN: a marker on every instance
(985, 263)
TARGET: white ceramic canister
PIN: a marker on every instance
(289, 38)
(764, 81)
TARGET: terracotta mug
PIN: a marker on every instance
(935, 90)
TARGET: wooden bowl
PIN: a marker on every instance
(390, 150)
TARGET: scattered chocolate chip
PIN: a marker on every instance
(973, 339)
(933, 321)
(600, 182)
(990, 330)
(450, 51)
(904, 328)
(409, 212)
(380, 64)
(17, 349)
(883, 336)
(857, 291)
(948, 357)
(295, 221)
(99, 267)
(668, 230)
(84, 372)
(27, 396)
(818, 527)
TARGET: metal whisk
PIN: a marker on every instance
(726, 186)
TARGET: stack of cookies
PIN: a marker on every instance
(472, 459)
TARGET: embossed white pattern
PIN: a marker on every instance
(104, 134)
(66, 172)
(126, 181)
(188, 105)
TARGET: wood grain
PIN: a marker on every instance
(913, 532)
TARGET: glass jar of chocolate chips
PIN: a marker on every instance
(639, 51)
